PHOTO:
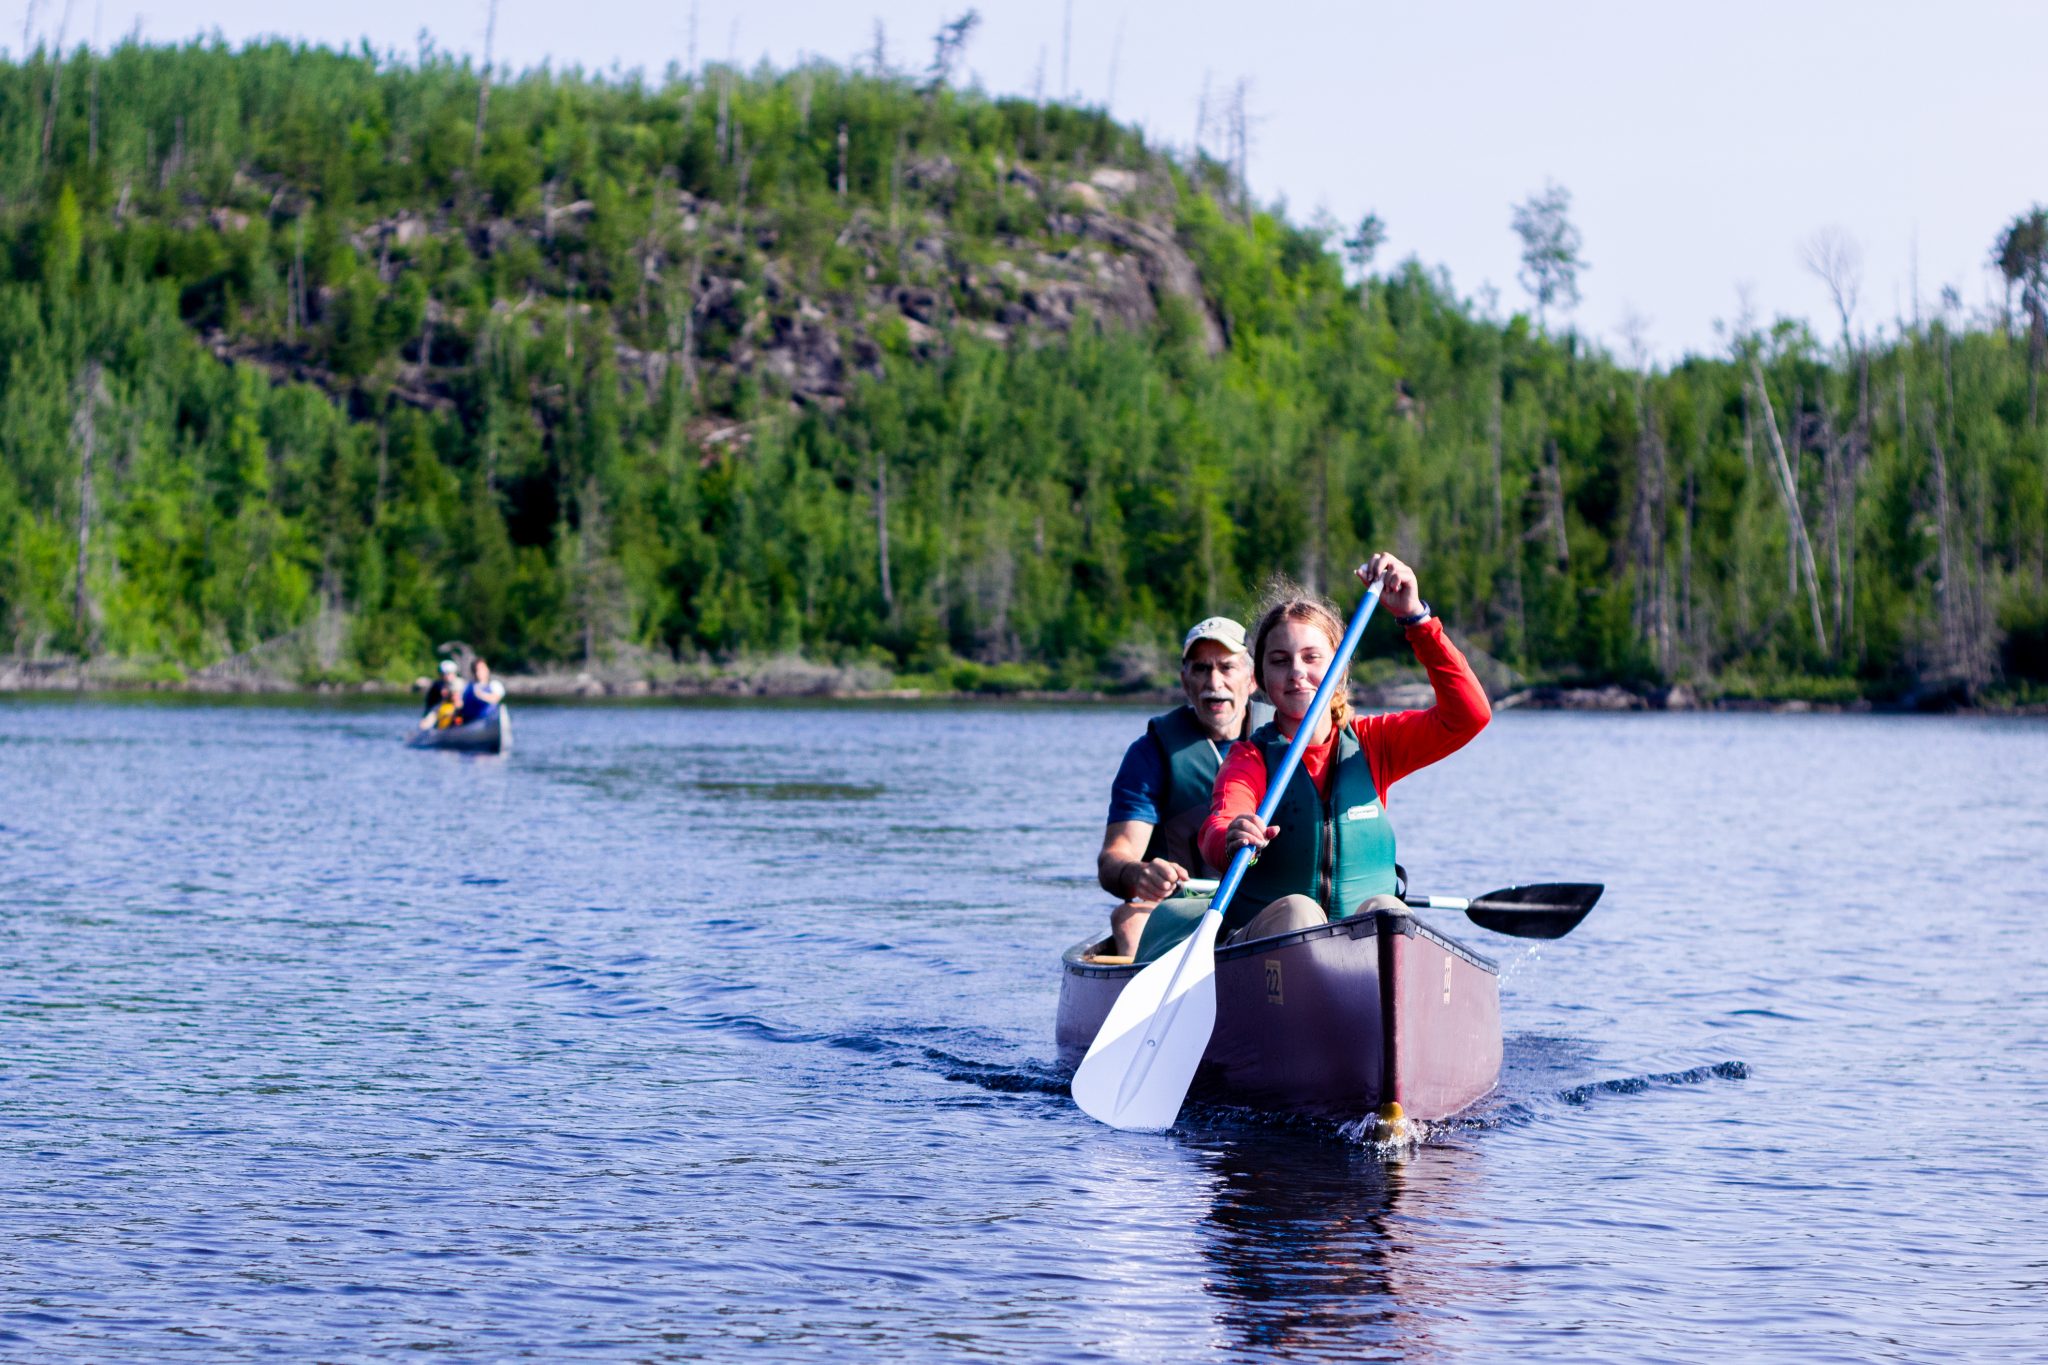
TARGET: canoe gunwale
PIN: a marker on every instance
(1354, 926)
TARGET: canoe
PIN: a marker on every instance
(1334, 1020)
(487, 735)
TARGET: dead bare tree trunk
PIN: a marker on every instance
(292, 291)
(882, 530)
(647, 273)
(1789, 441)
(1788, 488)
(1493, 433)
(600, 595)
(487, 352)
(1748, 432)
(1240, 147)
(56, 84)
(1835, 258)
(1554, 468)
(85, 436)
(2037, 351)
(896, 186)
(681, 305)
(1951, 650)
(419, 372)
(1317, 554)
(589, 603)
(1831, 460)
(1963, 615)
(1977, 623)
(1688, 625)
(483, 94)
(722, 130)
(1859, 456)
(1646, 532)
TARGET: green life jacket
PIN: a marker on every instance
(1339, 850)
(1192, 760)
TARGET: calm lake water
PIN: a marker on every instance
(720, 1032)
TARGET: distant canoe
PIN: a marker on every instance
(490, 734)
(1334, 1020)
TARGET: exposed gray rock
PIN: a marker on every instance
(1677, 697)
(803, 351)
(930, 172)
(1168, 270)
(919, 304)
(1397, 696)
(1114, 181)
(1608, 698)
(1086, 196)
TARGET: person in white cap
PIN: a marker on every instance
(1161, 792)
(444, 690)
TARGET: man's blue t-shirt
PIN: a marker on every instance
(479, 702)
(1140, 783)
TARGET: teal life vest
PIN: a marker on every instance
(1340, 850)
(1192, 760)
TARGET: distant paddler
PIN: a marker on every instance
(444, 697)
(1329, 852)
(482, 697)
(1161, 793)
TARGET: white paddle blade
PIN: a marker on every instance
(1143, 1059)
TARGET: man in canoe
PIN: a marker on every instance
(444, 697)
(1161, 792)
(481, 696)
(1330, 849)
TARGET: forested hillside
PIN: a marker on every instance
(334, 358)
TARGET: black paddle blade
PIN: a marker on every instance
(1546, 910)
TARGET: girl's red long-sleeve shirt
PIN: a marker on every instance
(1396, 744)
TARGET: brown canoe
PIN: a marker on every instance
(488, 734)
(1336, 1020)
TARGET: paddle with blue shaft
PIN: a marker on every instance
(1143, 1059)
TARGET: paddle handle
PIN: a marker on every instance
(1276, 783)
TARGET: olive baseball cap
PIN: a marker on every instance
(1221, 629)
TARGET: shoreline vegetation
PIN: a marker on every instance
(854, 382)
(796, 679)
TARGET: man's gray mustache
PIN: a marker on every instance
(1217, 696)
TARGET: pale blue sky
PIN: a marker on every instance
(1703, 144)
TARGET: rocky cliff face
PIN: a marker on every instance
(1106, 256)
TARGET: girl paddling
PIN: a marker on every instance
(1329, 852)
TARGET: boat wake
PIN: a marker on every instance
(911, 1049)
(1503, 1111)
(1001, 1080)
(916, 1049)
